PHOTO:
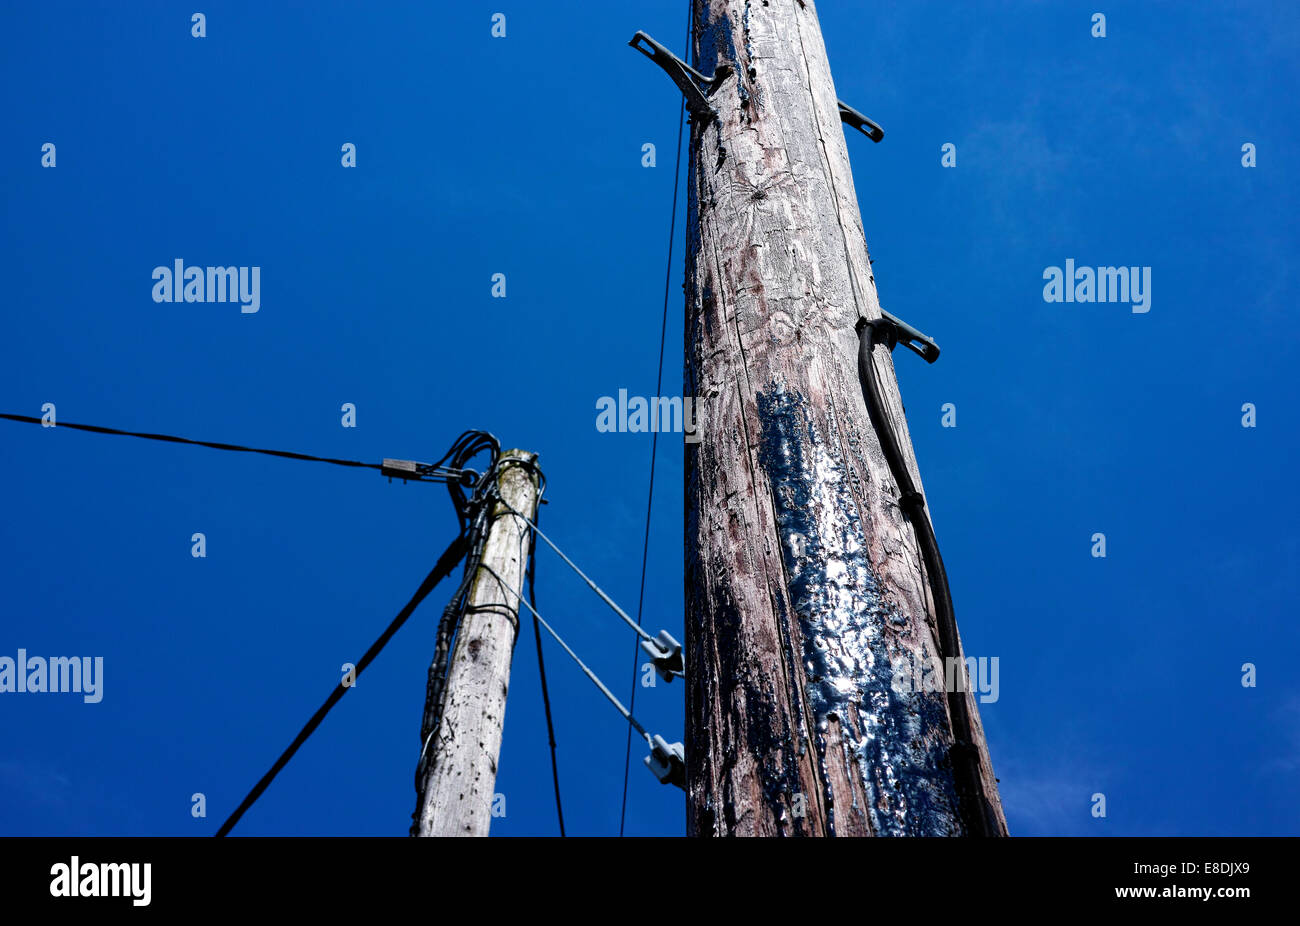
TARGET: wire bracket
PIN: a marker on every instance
(691, 82)
(854, 119)
(667, 761)
(898, 331)
(666, 653)
(695, 86)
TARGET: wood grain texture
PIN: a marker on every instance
(803, 577)
(461, 777)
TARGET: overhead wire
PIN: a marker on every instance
(595, 679)
(466, 446)
(215, 445)
(640, 631)
(654, 440)
(440, 664)
(541, 672)
(472, 516)
(487, 496)
(445, 564)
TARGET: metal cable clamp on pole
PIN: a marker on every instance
(691, 82)
(897, 331)
(695, 86)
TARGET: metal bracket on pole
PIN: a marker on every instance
(693, 84)
(900, 332)
(683, 75)
(411, 471)
(851, 117)
(666, 653)
(667, 761)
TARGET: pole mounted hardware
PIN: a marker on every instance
(691, 81)
(851, 117)
(411, 471)
(666, 654)
(667, 761)
(897, 331)
(694, 85)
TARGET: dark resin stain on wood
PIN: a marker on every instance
(803, 577)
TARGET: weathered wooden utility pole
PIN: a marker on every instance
(804, 578)
(456, 792)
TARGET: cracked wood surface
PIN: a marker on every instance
(803, 576)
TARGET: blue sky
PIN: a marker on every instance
(522, 155)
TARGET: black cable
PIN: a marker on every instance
(473, 516)
(468, 445)
(475, 512)
(654, 440)
(439, 666)
(446, 563)
(541, 671)
(97, 429)
(965, 756)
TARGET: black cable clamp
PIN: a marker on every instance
(666, 653)
(897, 331)
(414, 471)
